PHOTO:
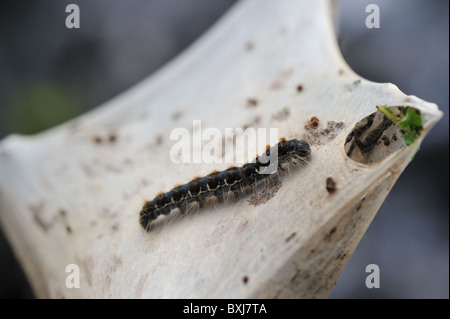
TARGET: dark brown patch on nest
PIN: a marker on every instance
(282, 115)
(265, 195)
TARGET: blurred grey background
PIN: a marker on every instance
(49, 74)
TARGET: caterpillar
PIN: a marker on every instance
(366, 134)
(217, 184)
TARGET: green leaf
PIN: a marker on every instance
(409, 121)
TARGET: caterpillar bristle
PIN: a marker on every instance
(224, 185)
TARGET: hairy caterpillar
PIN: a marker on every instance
(217, 184)
(366, 134)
